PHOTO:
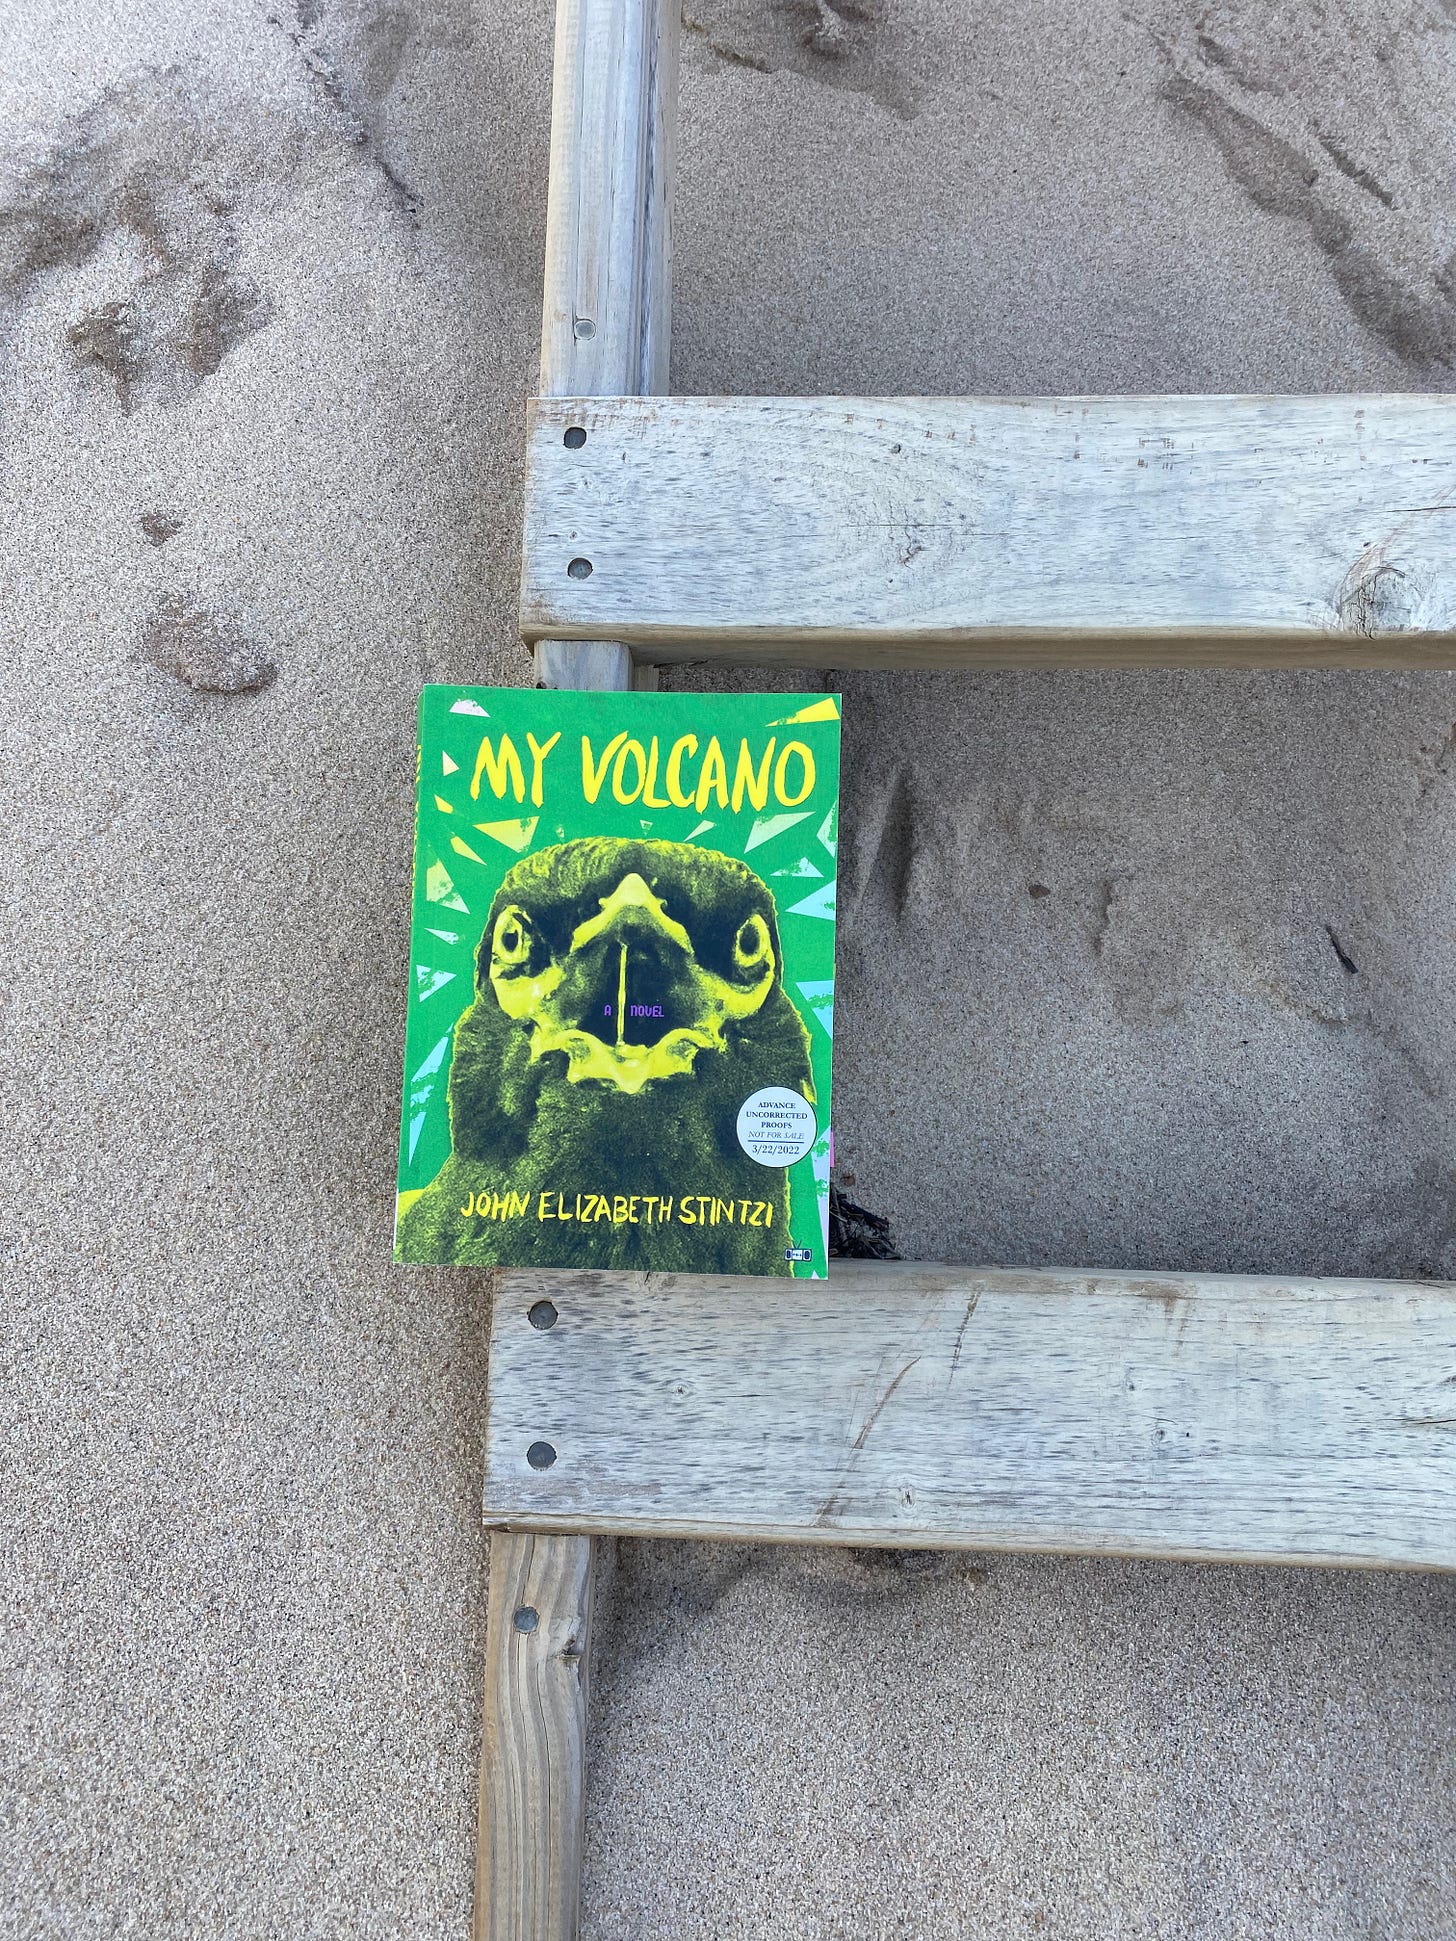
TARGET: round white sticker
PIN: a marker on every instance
(776, 1126)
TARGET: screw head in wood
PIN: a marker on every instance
(540, 1455)
(542, 1314)
(575, 437)
(525, 1619)
(579, 569)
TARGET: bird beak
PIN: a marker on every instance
(630, 1002)
(630, 975)
(631, 908)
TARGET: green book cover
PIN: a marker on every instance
(617, 1052)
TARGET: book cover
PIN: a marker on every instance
(620, 1020)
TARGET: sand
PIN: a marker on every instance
(268, 300)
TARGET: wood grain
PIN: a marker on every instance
(1315, 531)
(1159, 1416)
(605, 326)
(528, 1859)
(602, 665)
(606, 310)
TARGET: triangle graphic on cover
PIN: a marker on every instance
(818, 904)
(768, 826)
(515, 835)
(424, 1079)
(825, 709)
(440, 889)
(819, 995)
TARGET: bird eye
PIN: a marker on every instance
(511, 942)
(751, 945)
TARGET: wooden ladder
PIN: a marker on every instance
(1173, 1416)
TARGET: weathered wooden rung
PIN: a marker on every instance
(533, 1748)
(1309, 1421)
(604, 326)
(1314, 531)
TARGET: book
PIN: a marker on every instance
(621, 1001)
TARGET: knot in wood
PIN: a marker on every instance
(1376, 598)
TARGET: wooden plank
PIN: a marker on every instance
(1317, 531)
(606, 309)
(602, 665)
(1291, 1421)
(528, 1860)
(605, 325)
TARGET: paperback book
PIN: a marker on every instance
(621, 1003)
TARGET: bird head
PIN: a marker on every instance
(630, 958)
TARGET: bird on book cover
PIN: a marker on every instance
(629, 998)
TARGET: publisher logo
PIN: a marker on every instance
(776, 1126)
(797, 1253)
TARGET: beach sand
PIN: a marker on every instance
(269, 301)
